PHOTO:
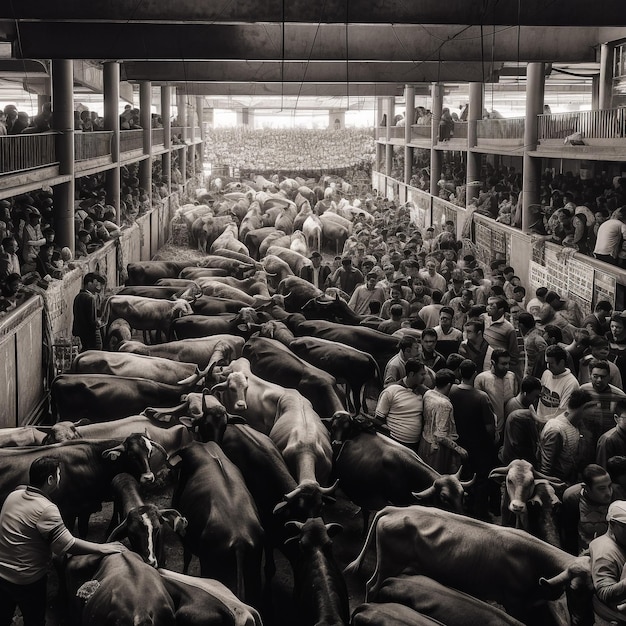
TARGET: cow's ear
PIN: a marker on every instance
(236, 419)
(186, 421)
(498, 474)
(173, 460)
(242, 327)
(174, 520)
(113, 453)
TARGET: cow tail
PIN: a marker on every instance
(239, 571)
(355, 566)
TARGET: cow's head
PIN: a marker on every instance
(133, 456)
(344, 426)
(247, 320)
(521, 480)
(181, 308)
(63, 431)
(313, 534)
(190, 294)
(305, 501)
(447, 492)
(276, 330)
(232, 392)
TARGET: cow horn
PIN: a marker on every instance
(119, 532)
(159, 447)
(190, 380)
(458, 473)
(555, 581)
(498, 473)
(293, 524)
(426, 493)
(219, 387)
(468, 483)
(163, 414)
(327, 491)
(292, 494)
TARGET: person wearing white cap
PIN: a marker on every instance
(608, 557)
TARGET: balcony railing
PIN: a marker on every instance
(158, 136)
(396, 132)
(92, 145)
(131, 140)
(603, 124)
(381, 132)
(460, 130)
(26, 152)
(419, 131)
(500, 129)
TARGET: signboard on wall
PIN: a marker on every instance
(580, 280)
(538, 276)
(556, 279)
(604, 287)
(482, 236)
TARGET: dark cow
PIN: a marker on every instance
(529, 501)
(203, 351)
(206, 602)
(333, 309)
(87, 470)
(295, 260)
(102, 397)
(297, 293)
(243, 323)
(137, 366)
(161, 292)
(347, 364)
(390, 614)
(449, 606)
(271, 360)
(141, 522)
(319, 588)
(116, 589)
(381, 346)
(374, 471)
(212, 305)
(484, 560)
(254, 238)
(224, 530)
(148, 272)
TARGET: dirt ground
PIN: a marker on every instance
(346, 546)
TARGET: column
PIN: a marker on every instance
(63, 120)
(531, 182)
(181, 103)
(435, 155)
(391, 111)
(606, 76)
(475, 113)
(380, 111)
(380, 149)
(145, 165)
(409, 115)
(200, 146)
(111, 83)
(166, 163)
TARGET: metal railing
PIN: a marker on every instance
(92, 145)
(131, 140)
(602, 124)
(419, 131)
(158, 136)
(25, 152)
(501, 129)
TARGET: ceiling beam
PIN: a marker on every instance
(528, 12)
(314, 72)
(356, 90)
(302, 42)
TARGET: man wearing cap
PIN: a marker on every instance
(568, 309)
(86, 325)
(316, 273)
(608, 557)
(364, 294)
(346, 277)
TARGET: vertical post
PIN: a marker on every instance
(391, 111)
(379, 156)
(535, 83)
(475, 113)
(435, 155)
(200, 146)
(63, 120)
(111, 83)
(380, 111)
(409, 115)
(181, 103)
(166, 163)
(145, 166)
(606, 76)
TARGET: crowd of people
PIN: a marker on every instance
(15, 122)
(303, 149)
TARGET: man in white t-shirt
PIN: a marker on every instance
(557, 384)
(611, 235)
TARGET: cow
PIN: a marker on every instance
(243, 323)
(256, 237)
(228, 239)
(136, 365)
(374, 471)
(254, 285)
(211, 287)
(276, 269)
(333, 309)
(252, 220)
(319, 588)
(312, 229)
(87, 470)
(162, 292)
(529, 501)
(145, 313)
(347, 364)
(271, 360)
(102, 397)
(278, 239)
(203, 351)
(390, 614)
(206, 602)
(148, 272)
(244, 258)
(333, 231)
(278, 331)
(489, 562)
(206, 229)
(214, 305)
(140, 522)
(116, 589)
(212, 495)
(295, 260)
(449, 606)
(21, 436)
(119, 330)
(299, 243)
(297, 293)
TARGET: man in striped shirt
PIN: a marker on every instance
(501, 334)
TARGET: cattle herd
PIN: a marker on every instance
(250, 390)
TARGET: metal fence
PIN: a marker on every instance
(25, 152)
(602, 124)
(501, 129)
(92, 145)
(131, 140)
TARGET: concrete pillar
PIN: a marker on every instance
(535, 83)
(380, 159)
(181, 105)
(388, 159)
(63, 120)
(245, 117)
(435, 155)
(111, 84)
(145, 166)
(166, 162)
(606, 76)
(391, 112)
(595, 92)
(475, 112)
(409, 114)
(200, 113)
(380, 111)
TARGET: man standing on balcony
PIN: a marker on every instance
(611, 234)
